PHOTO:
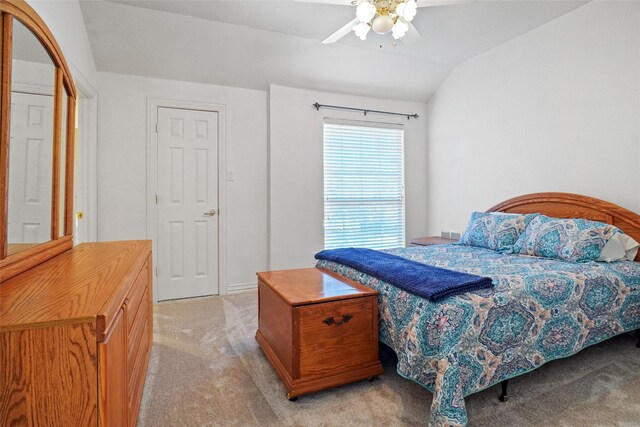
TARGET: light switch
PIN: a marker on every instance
(230, 175)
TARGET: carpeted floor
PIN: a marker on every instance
(206, 370)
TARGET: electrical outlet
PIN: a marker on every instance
(445, 234)
(455, 235)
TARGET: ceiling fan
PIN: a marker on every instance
(383, 17)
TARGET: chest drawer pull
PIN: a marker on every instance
(331, 321)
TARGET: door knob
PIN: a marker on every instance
(212, 212)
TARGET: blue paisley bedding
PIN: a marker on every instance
(538, 311)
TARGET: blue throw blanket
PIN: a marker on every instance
(433, 283)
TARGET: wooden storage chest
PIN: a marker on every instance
(316, 329)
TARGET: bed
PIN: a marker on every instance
(539, 310)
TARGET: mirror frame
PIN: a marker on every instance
(19, 262)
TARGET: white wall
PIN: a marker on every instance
(40, 76)
(557, 109)
(122, 137)
(64, 19)
(296, 168)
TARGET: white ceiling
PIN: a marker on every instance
(253, 43)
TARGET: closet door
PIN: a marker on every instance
(112, 375)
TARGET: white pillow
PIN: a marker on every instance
(619, 247)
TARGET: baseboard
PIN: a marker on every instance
(241, 287)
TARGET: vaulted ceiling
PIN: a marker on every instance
(251, 44)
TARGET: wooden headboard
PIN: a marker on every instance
(567, 205)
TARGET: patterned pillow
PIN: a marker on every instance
(495, 230)
(575, 240)
(619, 248)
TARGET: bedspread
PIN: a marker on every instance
(538, 311)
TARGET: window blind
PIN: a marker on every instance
(363, 185)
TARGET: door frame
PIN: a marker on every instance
(152, 180)
(85, 196)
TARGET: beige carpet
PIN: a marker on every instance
(207, 370)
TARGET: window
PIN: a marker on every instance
(363, 185)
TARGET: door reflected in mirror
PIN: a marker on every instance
(30, 177)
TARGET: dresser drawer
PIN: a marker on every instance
(336, 335)
(137, 337)
(136, 294)
(137, 378)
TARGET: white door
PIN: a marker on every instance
(31, 148)
(187, 203)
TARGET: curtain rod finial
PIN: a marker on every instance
(316, 106)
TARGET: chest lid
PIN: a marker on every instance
(313, 285)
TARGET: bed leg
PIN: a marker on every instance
(503, 397)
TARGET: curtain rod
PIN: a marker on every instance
(318, 106)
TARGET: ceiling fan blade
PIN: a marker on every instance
(412, 35)
(346, 29)
(338, 2)
(430, 3)
(421, 3)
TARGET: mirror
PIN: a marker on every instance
(61, 163)
(31, 142)
(37, 117)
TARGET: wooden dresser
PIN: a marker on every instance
(75, 337)
(316, 329)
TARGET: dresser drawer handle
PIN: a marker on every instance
(331, 321)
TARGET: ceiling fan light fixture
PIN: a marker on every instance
(400, 29)
(383, 17)
(361, 30)
(407, 10)
(365, 12)
(382, 24)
